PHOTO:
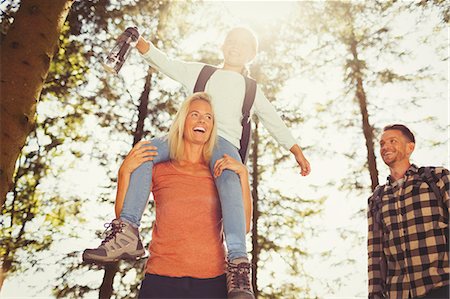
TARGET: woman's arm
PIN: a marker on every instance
(140, 153)
(240, 169)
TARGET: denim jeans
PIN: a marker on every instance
(228, 186)
(157, 286)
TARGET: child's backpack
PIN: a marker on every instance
(250, 93)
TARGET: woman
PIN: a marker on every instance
(187, 255)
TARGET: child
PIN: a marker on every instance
(227, 90)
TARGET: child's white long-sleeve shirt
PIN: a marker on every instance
(227, 92)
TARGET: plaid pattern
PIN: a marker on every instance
(412, 239)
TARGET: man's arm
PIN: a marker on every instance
(376, 260)
(444, 185)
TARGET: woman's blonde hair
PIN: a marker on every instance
(175, 138)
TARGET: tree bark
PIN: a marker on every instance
(26, 53)
(255, 216)
(106, 289)
(143, 108)
(362, 101)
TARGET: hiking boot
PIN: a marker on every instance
(122, 242)
(238, 279)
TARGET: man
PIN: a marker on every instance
(408, 225)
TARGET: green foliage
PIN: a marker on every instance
(28, 207)
(37, 215)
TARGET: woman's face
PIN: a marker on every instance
(199, 122)
(238, 48)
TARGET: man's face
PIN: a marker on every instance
(395, 147)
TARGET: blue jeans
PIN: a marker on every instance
(228, 186)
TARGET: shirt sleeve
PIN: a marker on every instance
(183, 72)
(377, 261)
(272, 121)
(444, 184)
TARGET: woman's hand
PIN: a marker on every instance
(227, 162)
(140, 153)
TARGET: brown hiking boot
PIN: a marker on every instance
(238, 279)
(122, 242)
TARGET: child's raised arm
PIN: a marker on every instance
(142, 45)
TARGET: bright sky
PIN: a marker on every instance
(338, 209)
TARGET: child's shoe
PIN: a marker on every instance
(122, 242)
(238, 279)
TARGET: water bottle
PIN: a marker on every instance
(116, 58)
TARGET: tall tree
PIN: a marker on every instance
(27, 202)
(356, 53)
(26, 54)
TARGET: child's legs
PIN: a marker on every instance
(140, 181)
(230, 192)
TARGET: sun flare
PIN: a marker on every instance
(260, 11)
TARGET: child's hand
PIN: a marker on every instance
(140, 153)
(227, 162)
(130, 31)
(304, 164)
(301, 160)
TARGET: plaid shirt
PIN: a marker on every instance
(412, 239)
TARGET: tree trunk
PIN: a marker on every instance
(143, 108)
(255, 216)
(6, 266)
(26, 53)
(106, 289)
(360, 94)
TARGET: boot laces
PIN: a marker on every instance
(240, 275)
(112, 229)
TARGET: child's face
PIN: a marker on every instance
(238, 48)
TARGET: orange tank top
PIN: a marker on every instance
(187, 237)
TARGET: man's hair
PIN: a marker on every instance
(175, 137)
(402, 128)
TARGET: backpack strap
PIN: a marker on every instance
(428, 177)
(375, 204)
(203, 77)
(250, 94)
